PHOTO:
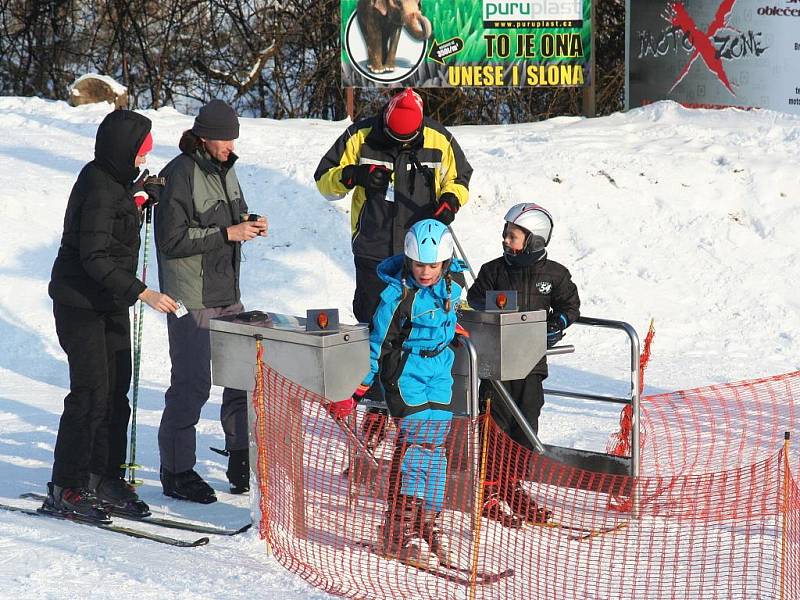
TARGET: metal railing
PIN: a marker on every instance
(634, 398)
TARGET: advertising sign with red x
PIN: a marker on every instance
(714, 53)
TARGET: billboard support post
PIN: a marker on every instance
(590, 90)
(350, 103)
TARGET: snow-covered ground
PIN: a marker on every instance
(686, 217)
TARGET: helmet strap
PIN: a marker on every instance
(526, 247)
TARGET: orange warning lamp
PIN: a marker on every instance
(501, 300)
(322, 320)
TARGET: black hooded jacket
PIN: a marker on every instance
(96, 263)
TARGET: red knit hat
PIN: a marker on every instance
(147, 145)
(403, 115)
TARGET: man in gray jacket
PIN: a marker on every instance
(200, 223)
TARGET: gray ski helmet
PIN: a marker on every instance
(535, 220)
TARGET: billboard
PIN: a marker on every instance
(465, 43)
(713, 53)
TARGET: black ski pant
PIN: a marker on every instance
(368, 288)
(190, 386)
(365, 302)
(93, 431)
(528, 395)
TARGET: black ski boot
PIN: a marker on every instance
(524, 505)
(74, 503)
(239, 471)
(497, 509)
(402, 537)
(118, 496)
(187, 485)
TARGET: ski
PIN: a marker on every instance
(186, 526)
(134, 533)
(485, 577)
(163, 522)
(457, 575)
(576, 531)
(593, 533)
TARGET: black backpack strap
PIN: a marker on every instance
(404, 311)
(393, 358)
(427, 174)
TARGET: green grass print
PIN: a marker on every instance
(464, 19)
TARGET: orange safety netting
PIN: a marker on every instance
(716, 513)
(619, 443)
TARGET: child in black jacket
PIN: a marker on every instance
(541, 284)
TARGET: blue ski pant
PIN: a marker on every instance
(420, 399)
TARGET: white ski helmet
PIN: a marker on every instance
(429, 241)
(535, 220)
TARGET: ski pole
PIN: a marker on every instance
(355, 439)
(138, 316)
(461, 253)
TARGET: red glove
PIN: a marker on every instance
(342, 408)
(140, 198)
(146, 189)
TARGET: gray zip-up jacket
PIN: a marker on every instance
(196, 263)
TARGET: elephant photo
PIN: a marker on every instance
(381, 21)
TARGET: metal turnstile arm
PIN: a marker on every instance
(461, 252)
(518, 416)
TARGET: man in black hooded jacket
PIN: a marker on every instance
(93, 284)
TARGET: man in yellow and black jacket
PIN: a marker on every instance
(402, 167)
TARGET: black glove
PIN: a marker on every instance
(556, 325)
(373, 178)
(146, 189)
(447, 208)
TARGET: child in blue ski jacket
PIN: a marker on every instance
(410, 352)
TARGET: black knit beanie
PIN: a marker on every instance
(216, 121)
